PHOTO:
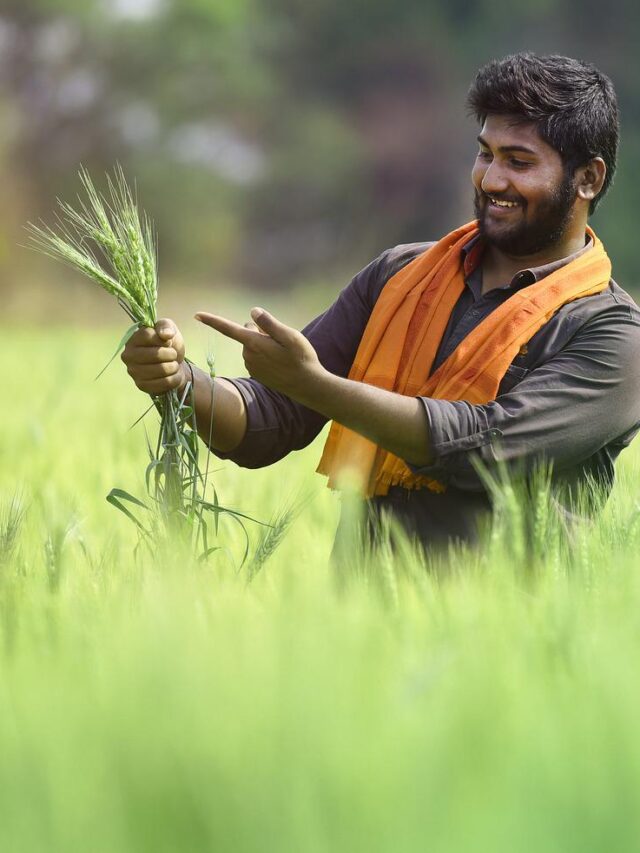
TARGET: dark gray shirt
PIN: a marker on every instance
(571, 397)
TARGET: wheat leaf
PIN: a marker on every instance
(113, 499)
(123, 342)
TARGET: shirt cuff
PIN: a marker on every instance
(456, 430)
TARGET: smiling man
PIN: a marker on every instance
(506, 340)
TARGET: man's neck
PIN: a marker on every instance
(499, 268)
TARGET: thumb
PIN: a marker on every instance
(280, 332)
(166, 329)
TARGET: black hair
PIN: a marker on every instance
(573, 105)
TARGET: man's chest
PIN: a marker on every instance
(474, 307)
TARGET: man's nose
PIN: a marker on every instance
(494, 179)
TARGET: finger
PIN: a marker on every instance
(145, 337)
(148, 355)
(227, 327)
(251, 326)
(160, 386)
(147, 372)
(280, 332)
(166, 329)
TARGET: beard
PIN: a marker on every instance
(529, 237)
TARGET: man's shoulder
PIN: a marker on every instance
(612, 315)
(394, 259)
(620, 296)
(368, 283)
(613, 302)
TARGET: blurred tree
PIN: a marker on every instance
(280, 141)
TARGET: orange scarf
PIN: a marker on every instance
(404, 331)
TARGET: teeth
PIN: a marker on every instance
(503, 203)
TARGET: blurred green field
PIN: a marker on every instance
(487, 702)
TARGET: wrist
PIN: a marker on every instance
(316, 389)
(186, 375)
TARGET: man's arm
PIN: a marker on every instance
(563, 412)
(255, 425)
(283, 359)
(395, 422)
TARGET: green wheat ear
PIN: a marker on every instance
(211, 364)
(108, 239)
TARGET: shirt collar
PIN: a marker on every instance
(474, 250)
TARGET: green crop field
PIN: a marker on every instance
(487, 700)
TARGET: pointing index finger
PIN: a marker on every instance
(227, 327)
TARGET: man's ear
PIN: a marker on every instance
(590, 178)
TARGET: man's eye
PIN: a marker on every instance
(486, 155)
(519, 164)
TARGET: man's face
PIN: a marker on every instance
(524, 198)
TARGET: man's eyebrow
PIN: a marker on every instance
(504, 149)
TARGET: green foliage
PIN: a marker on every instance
(467, 701)
(282, 141)
(11, 520)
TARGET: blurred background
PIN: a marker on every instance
(279, 145)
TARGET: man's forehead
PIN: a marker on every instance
(510, 130)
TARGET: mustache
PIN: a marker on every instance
(482, 196)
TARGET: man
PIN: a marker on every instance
(505, 340)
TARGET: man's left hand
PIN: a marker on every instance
(275, 354)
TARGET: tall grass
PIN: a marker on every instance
(474, 700)
(11, 519)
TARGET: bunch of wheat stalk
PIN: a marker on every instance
(110, 241)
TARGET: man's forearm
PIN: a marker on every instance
(281, 358)
(395, 422)
(226, 429)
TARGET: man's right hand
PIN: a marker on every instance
(155, 358)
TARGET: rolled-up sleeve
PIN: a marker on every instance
(276, 425)
(563, 411)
